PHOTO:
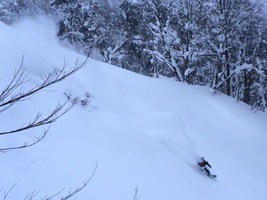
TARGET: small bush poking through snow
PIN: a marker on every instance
(84, 101)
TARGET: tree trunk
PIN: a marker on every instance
(228, 73)
(247, 87)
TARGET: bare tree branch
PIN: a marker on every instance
(19, 78)
(136, 197)
(32, 195)
(14, 93)
(39, 121)
(71, 194)
(27, 144)
(53, 77)
(8, 192)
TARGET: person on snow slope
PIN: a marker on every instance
(204, 165)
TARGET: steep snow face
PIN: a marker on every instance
(143, 132)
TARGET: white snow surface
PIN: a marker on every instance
(142, 132)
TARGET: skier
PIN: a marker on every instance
(203, 164)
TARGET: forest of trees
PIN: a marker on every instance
(217, 43)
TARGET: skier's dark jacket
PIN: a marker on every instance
(204, 163)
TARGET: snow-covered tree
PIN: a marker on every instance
(234, 37)
(219, 43)
(135, 32)
(227, 21)
(111, 40)
(187, 18)
(8, 11)
(163, 45)
(13, 10)
(81, 22)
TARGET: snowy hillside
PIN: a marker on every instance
(142, 132)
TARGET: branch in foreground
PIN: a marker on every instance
(73, 193)
(26, 144)
(8, 192)
(39, 121)
(13, 93)
(136, 197)
(8, 98)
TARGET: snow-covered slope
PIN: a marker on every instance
(142, 132)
